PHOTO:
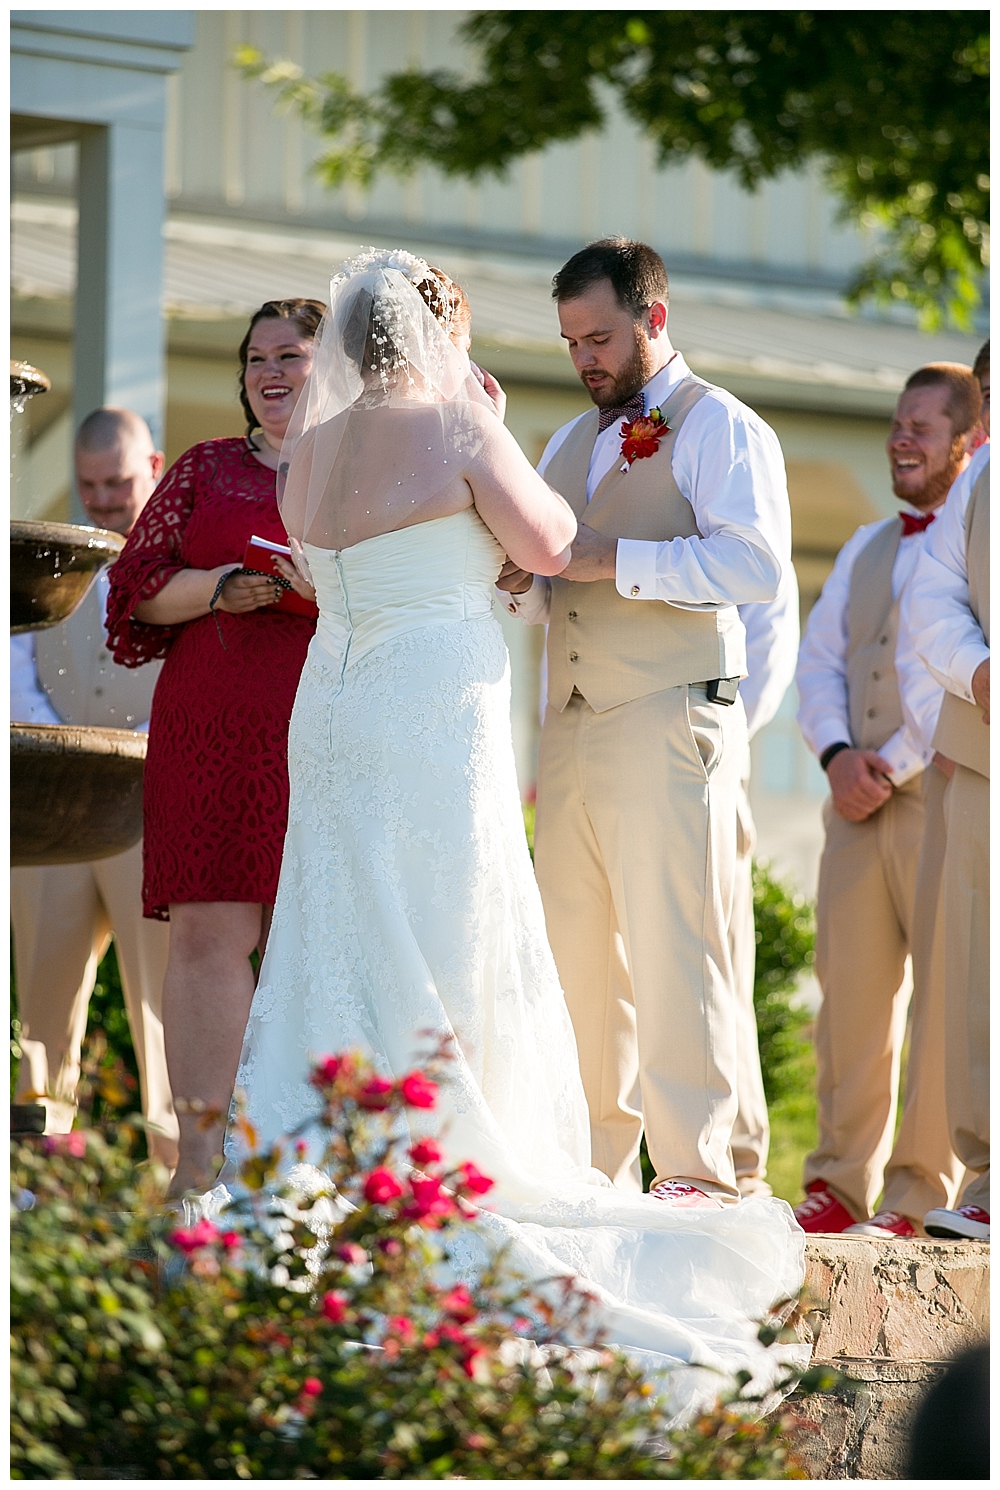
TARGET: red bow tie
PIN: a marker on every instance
(912, 523)
(632, 408)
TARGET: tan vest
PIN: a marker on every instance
(611, 649)
(872, 622)
(75, 669)
(961, 733)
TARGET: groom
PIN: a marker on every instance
(645, 735)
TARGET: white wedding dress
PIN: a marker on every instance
(407, 903)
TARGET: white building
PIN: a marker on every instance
(757, 283)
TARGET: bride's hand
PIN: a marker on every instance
(492, 390)
(300, 585)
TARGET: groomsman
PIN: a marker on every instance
(64, 914)
(881, 866)
(772, 642)
(645, 740)
(949, 614)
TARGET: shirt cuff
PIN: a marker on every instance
(963, 665)
(906, 762)
(635, 569)
(533, 605)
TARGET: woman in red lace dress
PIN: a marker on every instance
(216, 784)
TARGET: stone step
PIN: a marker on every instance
(889, 1314)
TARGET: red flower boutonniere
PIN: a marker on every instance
(642, 437)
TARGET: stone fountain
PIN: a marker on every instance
(76, 791)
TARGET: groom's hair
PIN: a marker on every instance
(637, 273)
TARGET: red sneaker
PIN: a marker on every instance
(684, 1197)
(821, 1211)
(883, 1224)
(970, 1223)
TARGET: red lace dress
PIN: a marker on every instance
(216, 785)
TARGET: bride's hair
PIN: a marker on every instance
(372, 336)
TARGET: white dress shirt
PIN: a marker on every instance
(728, 464)
(772, 629)
(945, 633)
(29, 703)
(821, 676)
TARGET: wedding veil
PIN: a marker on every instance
(391, 411)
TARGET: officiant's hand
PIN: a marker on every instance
(514, 580)
(593, 556)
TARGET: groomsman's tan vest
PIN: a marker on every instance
(610, 649)
(872, 622)
(961, 733)
(75, 669)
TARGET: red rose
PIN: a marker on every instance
(326, 1070)
(381, 1187)
(352, 1254)
(334, 1306)
(376, 1093)
(189, 1239)
(426, 1151)
(401, 1329)
(474, 1180)
(459, 1304)
(429, 1205)
(312, 1386)
(418, 1091)
(230, 1240)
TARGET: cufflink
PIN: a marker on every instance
(512, 608)
(634, 590)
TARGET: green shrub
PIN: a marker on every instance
(786, 936)
(266, 1347)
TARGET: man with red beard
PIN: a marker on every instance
(878, 895)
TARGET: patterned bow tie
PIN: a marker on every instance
(632, 408)
(912, 523)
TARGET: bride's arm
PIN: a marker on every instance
(533, 523)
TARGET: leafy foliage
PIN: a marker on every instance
(893, 104)
(786, 937)
(302, 1338)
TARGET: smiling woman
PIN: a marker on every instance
(216, 785)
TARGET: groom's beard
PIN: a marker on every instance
(617, 389)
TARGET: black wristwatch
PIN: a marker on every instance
(831, 751)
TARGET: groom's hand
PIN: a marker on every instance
(593, 556)
(515, 581)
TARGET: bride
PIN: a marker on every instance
(407, 901)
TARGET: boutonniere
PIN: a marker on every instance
(642, 437)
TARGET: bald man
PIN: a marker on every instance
(64, 915)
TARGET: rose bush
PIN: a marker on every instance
(314, 1335)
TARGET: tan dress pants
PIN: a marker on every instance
(751, 1131)
(63, 917)
(879, 890)
(635, 849)
(967, 976)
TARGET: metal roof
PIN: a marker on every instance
(785, 347)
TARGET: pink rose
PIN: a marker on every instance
(376, 1093)
(312, 1386)
(381, 1187)
(334, 1306)
(426, 1151)
(418, 1091)
(352, 1254)
(401, 1329)
(326, 1070)
(474, 1180)
(459, 1304)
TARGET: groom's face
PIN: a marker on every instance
(610, 349)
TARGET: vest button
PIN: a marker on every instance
(876, 676)
(634, 590)
(573, 657)
(571, 615)
(883, 641)
(871, 713)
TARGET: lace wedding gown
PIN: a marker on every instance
(407, 902)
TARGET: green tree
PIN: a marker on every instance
(894, 104)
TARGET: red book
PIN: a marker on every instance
(259, 559)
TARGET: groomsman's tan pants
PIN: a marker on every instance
(635, 849)
(868, 916)
(63, 917)
(751, 1130)
(967, 976)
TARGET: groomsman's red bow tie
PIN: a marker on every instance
(632, 408)
(915, 524)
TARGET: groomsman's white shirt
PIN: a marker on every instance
(772, 629)
(945, 634)
(728, 464)
(821, 676)
(29, 703)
